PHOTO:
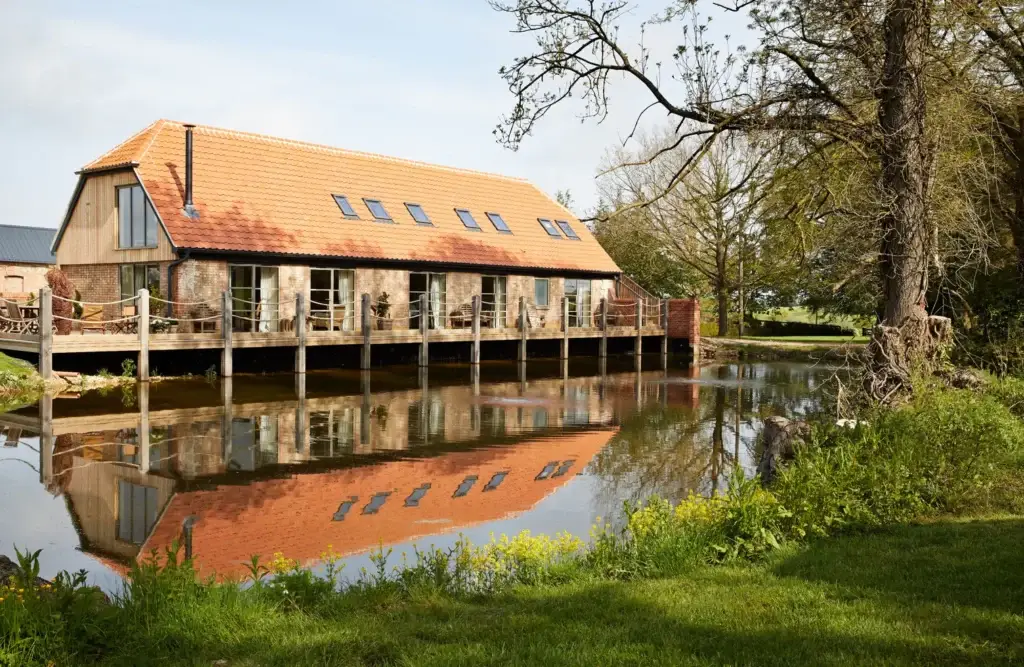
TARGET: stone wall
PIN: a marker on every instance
(19, 279)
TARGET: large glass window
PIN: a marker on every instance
(139, 276)
(254, 297)
(332, 299)
(541, 292)
(577, 293)
(494, 302)
(434, 286)
(136, 219)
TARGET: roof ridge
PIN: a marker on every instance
(160, 123)
(52, 229)
(343, 151)
(126, 141)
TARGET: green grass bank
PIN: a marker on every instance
(896, 542)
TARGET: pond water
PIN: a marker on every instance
(265, 464)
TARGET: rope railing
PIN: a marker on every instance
(94, 303)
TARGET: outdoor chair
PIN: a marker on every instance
(17, 321)
(13, 437)
(462, 316)
(92, 319)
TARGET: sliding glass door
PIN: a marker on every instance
(434, 285)
(332, 299)
(254, 297)
(494, 301)
(577, 293)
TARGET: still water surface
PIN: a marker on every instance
(263, 464)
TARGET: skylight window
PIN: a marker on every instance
(344, 508)
(467, 218)
(549, 227)
(376, 502)
(498, 478)
(417, 495)
(377, 209)
(464, 488)
(547, 470)
(498, 223)
(564, 468)
(566, 229)
(418, 214)
(346, 208)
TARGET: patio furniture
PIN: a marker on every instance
(124, 325)
(17, 322)
(92, 319)
(13, 437)
(462, 316)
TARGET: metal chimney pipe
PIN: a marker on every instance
(188, 167)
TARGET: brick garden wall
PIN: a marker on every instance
(684, 322)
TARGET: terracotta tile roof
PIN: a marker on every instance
(295, 515)
(263, 194)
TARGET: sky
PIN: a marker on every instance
(410, 78)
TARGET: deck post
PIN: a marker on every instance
(523, 329)
(474, 353)
(143, 366)
(664, 332)
(300, 415)
(226, 330)
(46, 438)
(364, 307)
(424, 329)
(564, 354)
(45, 333)
(144, 431)
(300, 332)
(638, 346)
(603, 349)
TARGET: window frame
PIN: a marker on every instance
(379, 203)
(458, 214)
(342, 198)
(551, 229)
(567, 229)
(491, 216)
(134, 268)
(147, 209)
(547, 292)
(426, 222)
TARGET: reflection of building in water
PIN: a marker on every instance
(356, 509)
(258, 476)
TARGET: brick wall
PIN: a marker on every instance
(684, 322)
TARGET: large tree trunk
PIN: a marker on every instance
(721, 291)
(906, 339)
(1016, 158)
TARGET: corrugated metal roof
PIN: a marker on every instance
(26, 245)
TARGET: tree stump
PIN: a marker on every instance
(778, 440)
(919, 345)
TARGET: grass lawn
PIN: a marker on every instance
(802, 314)
(946, 593)
(15, 366)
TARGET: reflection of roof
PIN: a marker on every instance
(26, 245)
(264, 194)
(296, 516)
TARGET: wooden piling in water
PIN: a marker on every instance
(143, 326)
(226, 356)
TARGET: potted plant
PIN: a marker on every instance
(382, 311)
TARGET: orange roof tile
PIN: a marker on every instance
(256, 193)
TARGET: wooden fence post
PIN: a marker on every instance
(424, 329)
(603, 350)
(564, 354)
(474, 353)
(364, 304)
(300, 332)
(45, 333)
(226, 330)
(143, 312)
(523, 329)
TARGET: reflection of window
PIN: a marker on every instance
(564, 468)
(464, 488)
(547, 470)
(496, 480)
(376, 502)
(253, 442)
(417, 495)
(492, 420)
(344, 508)
(427, 417)
(540, 417)
(136, 511)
